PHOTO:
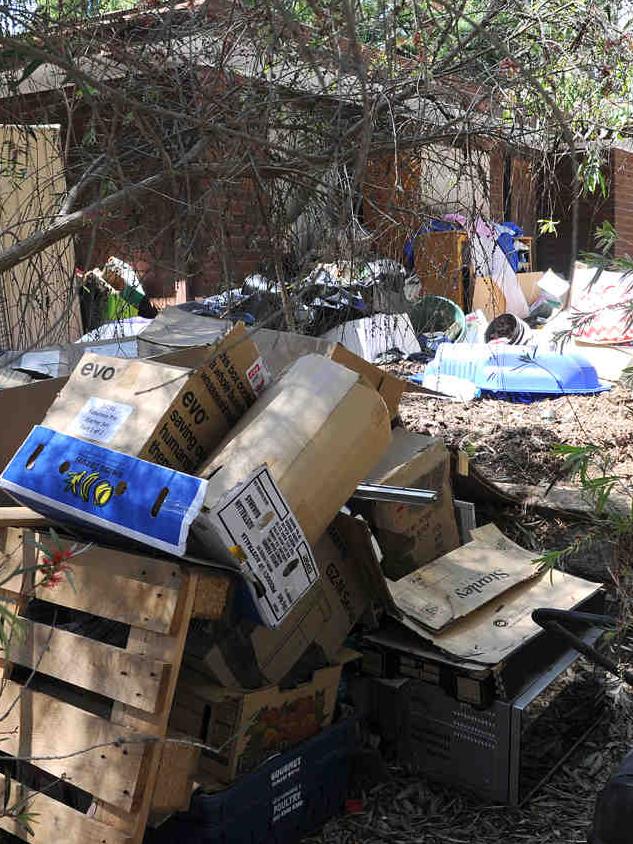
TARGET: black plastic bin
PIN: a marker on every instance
(287, 797)
(613, 816)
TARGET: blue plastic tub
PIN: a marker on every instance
(522, 373)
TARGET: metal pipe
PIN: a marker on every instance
(394, 494)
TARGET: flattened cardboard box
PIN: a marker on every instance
(410, 536)
(440, 593)
(246, 727)
(493, 632)
(250, 656)
(318, 431)
(164, 414)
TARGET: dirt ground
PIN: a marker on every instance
(513, 442)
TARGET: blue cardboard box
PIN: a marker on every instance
(77, 482)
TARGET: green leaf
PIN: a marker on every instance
(71, 579)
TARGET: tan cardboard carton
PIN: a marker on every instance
(410, 536)
(318, 431)
(165, 414)
(284, 471)
(250, 656)
(246, 727)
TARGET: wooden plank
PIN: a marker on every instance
(55, 823)
(91, 665)
(22, 517)
(174, 780)
(572, 500)
(150, 644)
(41, 726)
(212, 596)
(117, 598)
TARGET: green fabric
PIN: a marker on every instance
(117, 308)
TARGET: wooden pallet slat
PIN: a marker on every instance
(55, 822)
(42, 726)
(97, 667)
(116, 598)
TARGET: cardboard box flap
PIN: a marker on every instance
(175, 328)
(408, 459)
(400, 638)
(282, 348)
(440, 593)
(495, 631)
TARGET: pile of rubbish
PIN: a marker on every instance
(367, 613)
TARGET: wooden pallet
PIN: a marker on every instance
(87, 693)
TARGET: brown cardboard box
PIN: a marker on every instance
(410, 536)
(251, 656)
(165, 414)
(282, 348)
(318, 430)
(247, 727)
(487, 296)
(282, 474)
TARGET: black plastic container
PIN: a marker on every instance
(287, 797)
(613, 816)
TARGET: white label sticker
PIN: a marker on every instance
(100, 419)
(256, 521)
(258, 376)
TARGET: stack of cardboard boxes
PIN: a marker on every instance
(244, 456)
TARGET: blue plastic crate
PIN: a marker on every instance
(287, 797)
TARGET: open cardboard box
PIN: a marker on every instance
(246, 727)
(411, 535)
(246, 655)
(162, 413)
(487, 296)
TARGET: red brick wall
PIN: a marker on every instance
(230, 238)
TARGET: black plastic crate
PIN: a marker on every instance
(285, 798)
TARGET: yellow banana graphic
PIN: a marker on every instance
(74, 479)
(102, 493)
(87, 483)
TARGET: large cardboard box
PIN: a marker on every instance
(164, 414)
(410, 535)
(248, 655)
(317, 431)
(283, 473)
(246, 727)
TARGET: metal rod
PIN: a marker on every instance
(395, 494)
(540, 616)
